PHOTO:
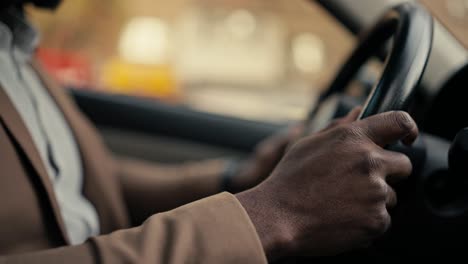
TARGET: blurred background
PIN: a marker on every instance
(254, 59)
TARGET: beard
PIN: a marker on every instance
(51, 4)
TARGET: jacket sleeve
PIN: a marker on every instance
(150, 188)
(213, 230)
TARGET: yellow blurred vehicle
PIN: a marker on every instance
(157, 81)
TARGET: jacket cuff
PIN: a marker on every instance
(213, 230)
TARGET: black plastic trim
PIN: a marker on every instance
(152, 117)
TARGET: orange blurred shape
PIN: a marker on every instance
(68, 68)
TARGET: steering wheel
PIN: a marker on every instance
(410, 27)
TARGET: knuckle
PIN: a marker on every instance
(342, 131)
(392, 198)
(348, 132)
(378, 223)
(379, 189)
(371, 161)
(403, 120)
(405, 164)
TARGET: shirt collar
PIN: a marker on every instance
(23, 35)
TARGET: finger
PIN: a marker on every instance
(290, 132)
(391, 197)
(353, 115)
(271, 149)
(296, 131)
(349, 118)
(397, 166)
(389, 127)
(274, 147)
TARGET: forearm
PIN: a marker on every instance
(150, 188)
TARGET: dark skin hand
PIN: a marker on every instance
(264, 159)
(270, 151)
(330, 192)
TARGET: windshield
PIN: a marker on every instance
(256, 59)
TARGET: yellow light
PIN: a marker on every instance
(308, 51)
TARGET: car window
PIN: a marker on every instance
(256, 59)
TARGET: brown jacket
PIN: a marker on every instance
(212, 230)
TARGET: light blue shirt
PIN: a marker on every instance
(46, 124)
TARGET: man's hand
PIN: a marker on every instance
(330, 192)
(270, 151)
(264, 159)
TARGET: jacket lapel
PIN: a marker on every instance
(17, 129)
(100, 185)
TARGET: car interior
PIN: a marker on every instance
(424, 71)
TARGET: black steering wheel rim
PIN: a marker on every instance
(411, 27)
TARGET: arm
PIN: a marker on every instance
(213, 230)
(150, 188)
(310, 205)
